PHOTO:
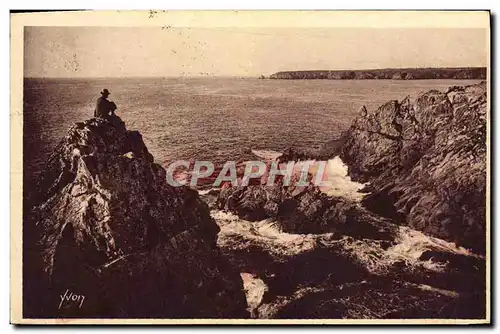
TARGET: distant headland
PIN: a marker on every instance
(387, 74)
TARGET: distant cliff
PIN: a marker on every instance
(394, 74)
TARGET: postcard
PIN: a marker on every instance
(250, 167)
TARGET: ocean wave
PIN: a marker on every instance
(340, 183)
(335, 175)
(407, 247)
(238, 237)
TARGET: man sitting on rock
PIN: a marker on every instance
(104, 108)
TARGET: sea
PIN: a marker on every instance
(215, 119)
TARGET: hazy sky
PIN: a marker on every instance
(153, 51)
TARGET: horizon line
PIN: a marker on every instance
(251, 76)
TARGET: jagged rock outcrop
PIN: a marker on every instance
(108, 226)
(326, 151)
(426, 162)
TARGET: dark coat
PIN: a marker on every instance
(104, 107)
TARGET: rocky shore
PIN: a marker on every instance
(412, 247)
(104, 223)
(426, 162)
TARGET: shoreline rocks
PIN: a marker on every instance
(304, 210)
(302, 275)
(105, 224)
(426, 162)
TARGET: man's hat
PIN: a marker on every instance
(105, 91)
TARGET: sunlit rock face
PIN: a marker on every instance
(426, 162)
(108, 226)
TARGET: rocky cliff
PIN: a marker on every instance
(107, 226)
(426, 162)
(389, 73)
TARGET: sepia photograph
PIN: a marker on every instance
(250, 167)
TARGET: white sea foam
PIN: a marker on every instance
(205, 191)
(340, 183)
(264, 233)
(409, 244)
(335, 179)
(239, 234)
(255, 288)
(335, 175)
(266, 155)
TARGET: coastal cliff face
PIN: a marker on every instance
(385, 74)
(107, 226)
(426, 162)
(411, 247)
